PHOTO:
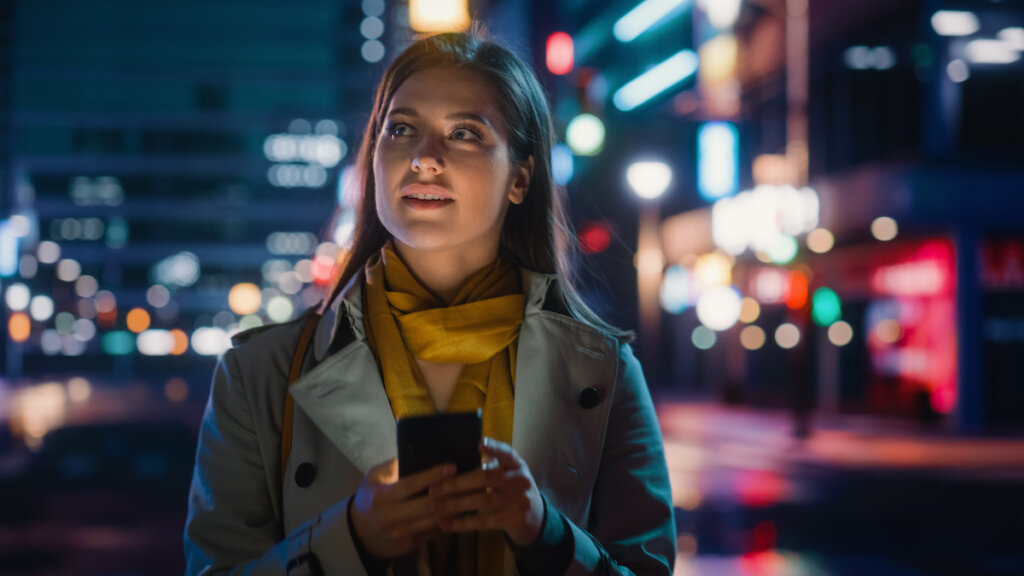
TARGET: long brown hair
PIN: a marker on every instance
(536, 234)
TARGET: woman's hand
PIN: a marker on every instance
(502, 497)
(390, 516)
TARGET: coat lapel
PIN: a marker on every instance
(345, 398)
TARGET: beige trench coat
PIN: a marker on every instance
(597, 458)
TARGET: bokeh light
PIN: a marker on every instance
(840, 333)
(820, 240)
(719, 308)
(752, 337)
(750, 310)
(884, 228)
(19, 327)
(138, 320)
(244, 298)
(703, 337)
(787, 335)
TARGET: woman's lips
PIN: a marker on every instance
(425, 196)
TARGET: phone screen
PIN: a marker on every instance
(426, 441)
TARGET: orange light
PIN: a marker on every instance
(138, 320)
(559, 53)
(19, 326)
(176, 390)
(796, 296)
(180, 342)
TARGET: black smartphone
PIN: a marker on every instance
(426, 441)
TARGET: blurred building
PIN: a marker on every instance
(843, 229)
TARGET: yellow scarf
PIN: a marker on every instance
(479, 329)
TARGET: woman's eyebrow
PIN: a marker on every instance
(411, 112)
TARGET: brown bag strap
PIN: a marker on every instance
(289, 403)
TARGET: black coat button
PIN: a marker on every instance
(305, 474)
(589, 398)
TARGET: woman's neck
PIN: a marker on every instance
(445, 272)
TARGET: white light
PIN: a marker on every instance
(585, 134)
(674, 292)
(884, 228)
(985, 51)
(371, 27)
(955, 23)
(28, 266)
(8, 249)
(884, 58)
(41, 308)
(858, 57)
(345, 228)
(783, 250)
(79, 390)
(48, 252)
(50, 342)
(1014, 37)
(643, 17)
(326, 126)
(656, 80)
(372, 51)
(787, 335)
(373, 7)
(314, 176)
(958, 71)
(181, 269)
(155, 342)
(20, 225)
(18, 297)
(649, 179)
(157, 296)
(299, 126)
(86, 286)
(718, 163)
(210, 341)
(68, 270)
(840, 333)
(280, 309)
(84, 330)
(289, 282)
(721, 13)
(719, 308)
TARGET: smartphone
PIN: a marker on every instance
(426, 441)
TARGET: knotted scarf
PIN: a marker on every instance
(479, 329)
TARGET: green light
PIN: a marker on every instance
(118, 343)
(826, 309)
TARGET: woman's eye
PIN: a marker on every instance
(464, 134)
(399, 130)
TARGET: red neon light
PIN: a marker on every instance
(796, 296)
(560, 53)
(323, 270)
(595, 237)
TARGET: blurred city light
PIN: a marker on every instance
(9, 241)
(595, 237)
(300, 243)
(372, 51)
(180, 270)
(721, 13)
(86, 286)
(17, 296)
(820, 240)
(865, 58)
(79, 390)
(645, 16)
(176, 390)
(41, 308)
(48, 252)
(888, 331)
(371, 27)
(986, 51)
(826, 308)
(955, 23)
(280, 309)
(585, 135)
(703, 337)
(322, 269)
(840, 333)
(68, 270)
(373, 7)
(675, 290)
(28, 266)
(649, 179)
(718, 60)
(656, 80)
(324, 150)
(35, 410)
(713, 269)
(958, 71)
(561, 164)
(757, 219)
(783, 250)
(158, 296)
(1013, 37)
(718, 308)
(84, 330)
(884, 228)
(180, 342)
(137, 320)
(752, 337)
(117, 233)
(249, 322)
(210, 341)
(559, 53)
(155, 343)
(750, 310)
(244, 298)
(118, 343)
(100, 191)
(19, 327)
(438, 15)
(787, 335)
(796, 290)
(717, 160)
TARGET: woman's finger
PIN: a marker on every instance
(505, 453)
(420, 481)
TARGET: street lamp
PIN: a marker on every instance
(649, 181)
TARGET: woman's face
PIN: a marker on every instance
(441, 165)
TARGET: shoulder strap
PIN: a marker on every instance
(289, 403)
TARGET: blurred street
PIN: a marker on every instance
(861, 495)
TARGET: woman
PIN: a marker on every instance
(453, 297)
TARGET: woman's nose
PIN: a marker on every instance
(428, 158)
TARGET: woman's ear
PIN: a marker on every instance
(521, 181)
